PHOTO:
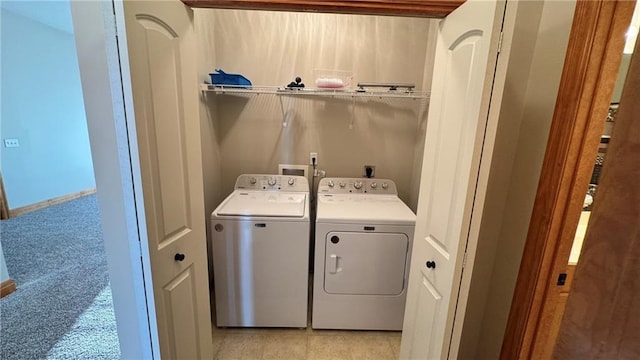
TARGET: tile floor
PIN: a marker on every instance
(301, 344)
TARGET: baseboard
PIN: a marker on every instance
(43, 204)
(7, 287)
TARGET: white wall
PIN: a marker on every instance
(42, 107)
(529, 100)
(244, 134)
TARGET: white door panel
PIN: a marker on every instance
(182, 314)
(430, 300)
(463, 75)
(161, 49)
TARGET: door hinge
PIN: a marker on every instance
(500, 42)
(464, 260)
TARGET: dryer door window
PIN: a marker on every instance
(365, 263)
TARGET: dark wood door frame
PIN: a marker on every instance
(591, 65)
(414, 8)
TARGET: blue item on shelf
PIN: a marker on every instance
(222, 78)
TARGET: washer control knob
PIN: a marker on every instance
(385, 185)
(331, 184)
(271, 181)
(373, 185)
(252, 181)
(342, 184)
(357, 185)
(291, 181)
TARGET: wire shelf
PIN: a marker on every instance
(282, 91)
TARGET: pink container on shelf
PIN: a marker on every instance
(332, 79)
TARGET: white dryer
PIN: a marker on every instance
(364, 235)
(260, 245)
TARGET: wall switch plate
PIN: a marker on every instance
(313, 158)
(11, 143)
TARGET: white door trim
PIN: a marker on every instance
(503, 46)
(108, 101)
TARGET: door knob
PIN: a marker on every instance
(431, 264)
(179, 257)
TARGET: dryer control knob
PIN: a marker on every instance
(331, 184)
(271, 181)
(291, 181)
(252, 181)
(357, 185)
(385, 185)
(373, 185)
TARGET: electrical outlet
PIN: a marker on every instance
(313, 158)
(11, 143)
(369, 171)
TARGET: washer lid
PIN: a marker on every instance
(363, 209)
(263, 203)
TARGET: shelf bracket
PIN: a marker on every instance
(285, 113)
(353, 112)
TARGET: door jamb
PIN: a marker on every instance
(114, 153)
(591, 64)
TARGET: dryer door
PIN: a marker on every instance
(365, 263)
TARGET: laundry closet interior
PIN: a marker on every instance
(254, 130)
(244, 133)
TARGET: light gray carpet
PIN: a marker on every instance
(62, 308)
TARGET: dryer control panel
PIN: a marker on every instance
(357, 186)
(263, 182)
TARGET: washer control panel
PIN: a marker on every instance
(263, 182)
(357, 186)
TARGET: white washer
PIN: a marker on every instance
(364, 235)
(260, 242)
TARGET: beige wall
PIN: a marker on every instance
(211, 162)
(617, 90)
(244, 133)
(622, 75)
(529, 99)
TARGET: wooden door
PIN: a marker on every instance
(458, 112)
(161, 47)
(602, 316)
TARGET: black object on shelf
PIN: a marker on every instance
(296, 84)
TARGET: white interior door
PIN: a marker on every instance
(463, 76)
(161, 49)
